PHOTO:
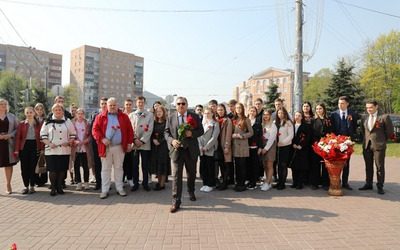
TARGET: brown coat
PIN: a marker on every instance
(380, 133)
(241, 146)
(225, 139)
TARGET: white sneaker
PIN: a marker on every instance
(203, 188)
(92, 179)
(103, 195)
(208, 189)
(79, 187)
(130, 182)
(121, 193)
(265, 187)
(86, 186)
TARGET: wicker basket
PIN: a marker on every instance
(334, 169)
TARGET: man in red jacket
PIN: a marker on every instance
(113, 133)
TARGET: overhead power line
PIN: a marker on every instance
(69, 7)
(368, 9)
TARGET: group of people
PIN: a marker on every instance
(234, 146)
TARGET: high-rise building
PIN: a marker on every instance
(105, 72)
(256, 86)
(32, 64)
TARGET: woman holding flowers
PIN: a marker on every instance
(322, 125)
(159, 150)
(301, 149)
(242, 131)
(285, 137)
(224, 145)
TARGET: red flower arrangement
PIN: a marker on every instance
(13, 246)
(190, 124)
(334, 147)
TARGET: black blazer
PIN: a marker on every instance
(321, 127)
(171, 133)
(352, 118)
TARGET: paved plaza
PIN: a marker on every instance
(288, 219)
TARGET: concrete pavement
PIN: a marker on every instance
(288, 219)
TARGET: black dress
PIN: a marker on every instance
(4, 156)
(300, 163)
(159, 162)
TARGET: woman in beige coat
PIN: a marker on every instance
(224, 151)
(242, 131)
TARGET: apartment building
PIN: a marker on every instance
(105, 72)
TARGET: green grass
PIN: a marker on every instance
(393, 149)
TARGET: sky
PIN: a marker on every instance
(200, 49)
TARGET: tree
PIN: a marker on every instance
(10, 87)
(380, 76)
(38, 95)
(314, 90)
(271, 95)
(71, 95)
(343, 83)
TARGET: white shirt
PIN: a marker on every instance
(180, 118)
(341, 113)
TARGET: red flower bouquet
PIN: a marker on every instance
(335, 150)
(190, 124)
(334, 147)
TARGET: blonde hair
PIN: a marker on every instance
(57, 105)
(2, 100)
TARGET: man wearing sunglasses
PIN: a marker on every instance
(184, 152)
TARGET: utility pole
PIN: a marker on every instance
(297, 96)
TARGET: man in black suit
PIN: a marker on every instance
(183, 152)
(345, 123)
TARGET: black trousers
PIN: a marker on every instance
(318, 172)
(377, 156)
(345, 173)
(97, 164)
(29, 157)
(145, 158)
(128, 165)
(184, 160)
(240, 169)
(252, 166)
(207, 166)
(283, 161)
(81, 161)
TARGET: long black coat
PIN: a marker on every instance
(301, 157)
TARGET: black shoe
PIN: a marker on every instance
(293, 186)
(146, 187)
(326, 188)
(314, 187)
(299, 186)
(251, 187)
(347, 187)
(275, 185)
(192, 197)
(60, 191)
(366, 187)
(53, 192)
(380, 190)
(134, 187)
(223, 186)
(97, 188)
(281, 187)
(175, 207)
(240, 188)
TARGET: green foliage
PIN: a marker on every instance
(71, 95)
(10, 87)
(271, 95)
(380, 76)
(343, 84)
(314, 90)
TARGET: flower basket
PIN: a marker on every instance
(335, 150)
(334, 169)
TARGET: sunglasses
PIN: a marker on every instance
(181, 103)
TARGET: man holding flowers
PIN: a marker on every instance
(181, 133)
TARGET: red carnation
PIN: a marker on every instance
(377, 124)
(191, 121)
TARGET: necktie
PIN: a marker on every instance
(343, 116)
(371, 122)
(182, 120)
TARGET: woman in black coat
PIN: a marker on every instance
(300, 163)
(322, 125)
